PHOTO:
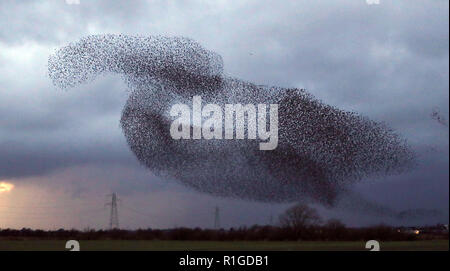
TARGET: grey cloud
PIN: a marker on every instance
(387, 61)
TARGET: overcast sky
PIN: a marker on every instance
(64, 150)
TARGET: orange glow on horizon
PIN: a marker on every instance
(6, 187)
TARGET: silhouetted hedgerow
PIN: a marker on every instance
(255, 233)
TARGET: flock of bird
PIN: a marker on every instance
(321, 151)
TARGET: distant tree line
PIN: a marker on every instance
(255, 233)
(298, 223)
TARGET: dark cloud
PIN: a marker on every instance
(387, 61)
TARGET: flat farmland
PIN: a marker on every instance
(145, 245)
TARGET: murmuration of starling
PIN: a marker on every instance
(321, 151)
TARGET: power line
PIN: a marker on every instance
(55, 205)
(138, 212)
(114, 215)
(217, 218)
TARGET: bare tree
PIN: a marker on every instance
(300, 216)
(334, 224)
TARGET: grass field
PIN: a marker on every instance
(51, 245)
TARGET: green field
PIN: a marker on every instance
(30, 245)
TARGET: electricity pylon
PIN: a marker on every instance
(114, 215)
(217, 218)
